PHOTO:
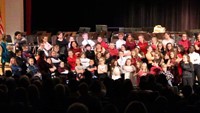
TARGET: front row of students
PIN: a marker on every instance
(82, 67)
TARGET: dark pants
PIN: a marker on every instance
(188, 81)
(102, 76)
(196, 72)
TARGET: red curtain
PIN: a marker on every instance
(1, 25)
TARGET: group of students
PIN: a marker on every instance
(127, 58)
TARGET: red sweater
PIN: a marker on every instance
(134, 60)
(155, 70)
(75, 50)
(104, 44)
(185, 43)
(113, 52)
(154, 47)
(131, 45)
(72, 62)
(143, 46)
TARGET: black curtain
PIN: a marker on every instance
(175, 15)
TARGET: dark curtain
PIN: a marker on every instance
(175, 15)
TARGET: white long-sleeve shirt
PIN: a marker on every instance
(54, 61)
(85, 42)
(194, 58)
(119, 43)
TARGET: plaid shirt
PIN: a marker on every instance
(168, 74)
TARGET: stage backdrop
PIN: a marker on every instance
(175, 15)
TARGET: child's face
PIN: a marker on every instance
(85, 36)
(160, 45)
(83, 56)
(99, 55)
(12, 61)
(149, 48)
(121, 54)
(41, 45)
(123, 48)
(107, 55)
(141, 38)
(71, 39)
(143, 66)
(78, 61)
(25, 48)
(155, 64)
(62, 64)
(185, 59)
(137, 50)
(98, 46)
(70, 53)
(128, 62)
(60, 35)
(120, 37)
(88, 48)
(19, 36)
(56, 48)
(53, 54)
(129, 37)
(99, 39)
(31, 61)
(133, 53)
(9, 47)
(154, 39)
(91, 62)
(74, 44)
(138, 64)
(19, 53)
(171, 54)
(169, 46)
(101, 61)
(45, 39)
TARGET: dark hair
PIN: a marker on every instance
(136, 107)
(167, 32)
(77, 108)
(169, 44)
(181, 48)
(41, 54)
(17, 50)
(191, 49)
(113, 62)
(58, 33)
(87, 45)
(41, 38)
(71, 47)
(17, 32)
